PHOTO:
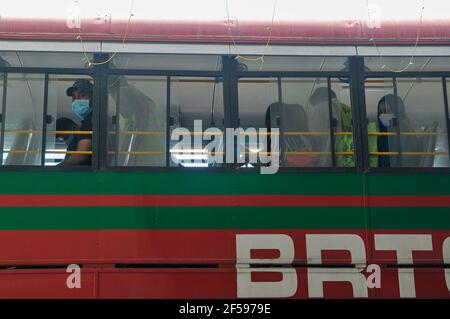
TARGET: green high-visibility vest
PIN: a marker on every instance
(344, 143)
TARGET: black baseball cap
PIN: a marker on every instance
(84, 86)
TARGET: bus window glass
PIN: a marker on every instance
(287, 63)
(23, 119)
(64, 129)
(302, 117)
(2, 87)
(410, 116)
(137, 119)
(196, 111)
(306, 138)
(319, 102)
(342, 122)
(402, 63)
(184, 62)
(258, 108)
(47, 59)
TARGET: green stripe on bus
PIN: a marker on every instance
(413, 218)
(73, 218)
(185, 183)
(179, 183)
(180, 217)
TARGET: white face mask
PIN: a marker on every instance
(386, 118)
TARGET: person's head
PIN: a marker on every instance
(81, 93)
(65, 124)
(320, 95)
(390, 107)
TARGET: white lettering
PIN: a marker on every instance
(404, 245)
(315, 244)
(287, 287)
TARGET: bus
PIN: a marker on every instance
(355, 120)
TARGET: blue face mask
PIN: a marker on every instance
(81, 108)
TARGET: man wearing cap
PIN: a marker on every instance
(81, 93)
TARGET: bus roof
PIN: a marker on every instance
(353, 32)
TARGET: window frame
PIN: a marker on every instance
(46, 72)
(230, 74)
(444, 76)
(327, 75)
(162, 73)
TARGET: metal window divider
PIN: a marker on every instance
(331, 120)
(116, 124)
(100, 113)
(447, 114)
(168, 120)
(44, 120)
(281, 128)
(359, 116)
(230, 100)
(398, 137)
(3, 116)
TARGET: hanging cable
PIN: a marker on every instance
(405, 96)
(372, 39)
(261, 57)
(125, 36)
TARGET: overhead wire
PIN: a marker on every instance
(112, 56)
(380, 55)
(269, 38)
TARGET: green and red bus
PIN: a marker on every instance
(140, 225)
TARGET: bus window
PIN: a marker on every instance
(402, 63)
(47, 59)
(342, 122)
(64, 128)
(306, 142)
(183, 62)
(320, 102)
(258, 108)
(137, 116)
(301, 112)
(410, 116)
(23, 119)
(2, 88)
(196, 105)
(289, 63)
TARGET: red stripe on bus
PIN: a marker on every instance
(194, 246)
(220, 200)
(408, 200)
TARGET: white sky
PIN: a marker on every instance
(287, 10)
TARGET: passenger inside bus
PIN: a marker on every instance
(137, 114)
(81, 93)
(393, 121)
(342, 128)
(292, 121)
(341, 121)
